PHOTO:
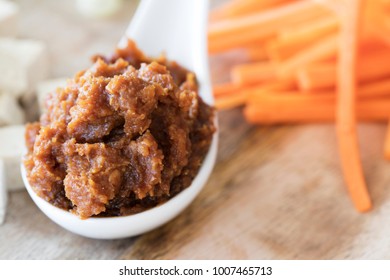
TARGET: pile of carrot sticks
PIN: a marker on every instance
(309, 61)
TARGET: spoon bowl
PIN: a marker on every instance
(177, 28)
(126, 226)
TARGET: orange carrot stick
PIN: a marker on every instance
(225, 89)
(376, 19)
(375, 89)
(379, 88)
(316, 76)
(226, 98)
(257, 53)
(235, 8)
(286, 45)
(324, 49)
(346, 105)
(228, 34)
(306, 31)
(292, 108)
(241, 40)
(319, 76)
(288, 98)
(230, 101)
(252, 73)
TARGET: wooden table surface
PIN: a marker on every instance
(275, 193)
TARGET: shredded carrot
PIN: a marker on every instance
(346, 109)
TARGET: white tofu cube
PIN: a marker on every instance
(23, 64)
(9, 12)
(10, 111)
(3, 193)
(47, 86)
(12, 149)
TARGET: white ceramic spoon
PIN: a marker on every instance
(178, 28)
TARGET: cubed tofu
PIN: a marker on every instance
(47, 86)
(12, 149)
(24, 63)
(3, 193)
(9, 13)
(10, 111)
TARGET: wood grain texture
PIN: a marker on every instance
(279, 195)
(275, 193)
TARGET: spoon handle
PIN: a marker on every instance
(177, 28)
(3, 192)
(168, 23)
